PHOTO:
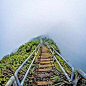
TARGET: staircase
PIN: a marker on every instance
(45, 72)
(44, 68)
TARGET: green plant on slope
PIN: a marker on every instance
(10, 63)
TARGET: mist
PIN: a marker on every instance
(63, 20)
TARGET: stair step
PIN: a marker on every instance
(44, 83)
(46, 65)
(44, 51)
(45, 54)
(42, 56)
(46, 62)
(45, 59)
(44, 75)
(43, 70)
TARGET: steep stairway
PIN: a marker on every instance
(45, 73)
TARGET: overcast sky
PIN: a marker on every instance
(62, 20)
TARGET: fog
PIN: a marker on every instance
(63, 20)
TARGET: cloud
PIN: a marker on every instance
(64, 21)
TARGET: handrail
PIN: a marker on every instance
(11, 81)
(81, 73)
(17, 80)
(78, 76)
(72, 74)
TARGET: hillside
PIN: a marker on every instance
(10, 63)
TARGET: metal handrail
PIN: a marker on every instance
(17, 80)
(81, 73)
(11, 82)
(72, 74)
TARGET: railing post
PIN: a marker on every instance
(76, 80)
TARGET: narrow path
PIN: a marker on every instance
(44, 68)
(45, 73)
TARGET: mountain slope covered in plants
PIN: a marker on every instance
(10, 63)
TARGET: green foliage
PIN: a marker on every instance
(62, 62)
(10, 63)
(52, 43)
(64, 65)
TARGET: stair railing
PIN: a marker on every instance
(81, 73)
(22, 82)
(11, 82)
(14, 79)
(78, 76)
(52, 51)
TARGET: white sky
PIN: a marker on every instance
(63, 20)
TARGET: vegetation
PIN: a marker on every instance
(61, 61)
(52, 43)
(10, 63)
(67, 68)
